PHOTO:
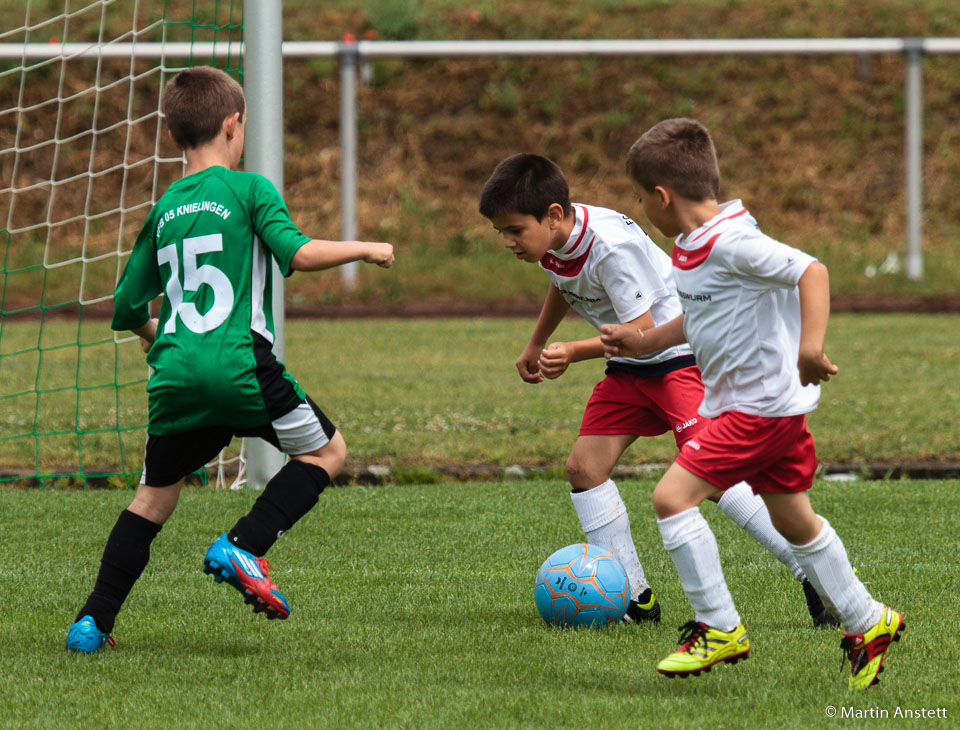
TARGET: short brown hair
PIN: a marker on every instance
(527, 184)
(196, 101)
(678, 154)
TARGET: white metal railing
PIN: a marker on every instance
(349, 54)
(438, 49)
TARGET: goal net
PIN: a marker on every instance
(83, 157)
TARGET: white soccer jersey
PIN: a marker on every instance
(742, 315)
(610, 272)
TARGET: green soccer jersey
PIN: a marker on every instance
(207, 245)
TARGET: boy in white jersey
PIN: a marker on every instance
(601, 264)
(755, 313)
(208, 245)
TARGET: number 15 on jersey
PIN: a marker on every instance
(193, 278)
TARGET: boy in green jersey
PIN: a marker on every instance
(207, 246)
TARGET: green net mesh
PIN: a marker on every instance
(83, 157)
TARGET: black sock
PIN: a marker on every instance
(287, 497)
(124, 557)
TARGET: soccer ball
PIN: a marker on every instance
(582, 585)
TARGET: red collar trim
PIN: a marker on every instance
(566, 267)
(686, 260)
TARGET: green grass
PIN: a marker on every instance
(413, 607)
(427, 393)
(442, 392)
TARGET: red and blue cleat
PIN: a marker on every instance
(248, 574)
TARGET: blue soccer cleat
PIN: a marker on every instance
(86, 637)
(248, 574)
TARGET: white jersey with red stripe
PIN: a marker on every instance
(610, 272)
(741, 308)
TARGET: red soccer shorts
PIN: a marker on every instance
(625, 403)
(770, 454)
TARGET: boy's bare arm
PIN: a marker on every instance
(554, 309)
(147, 333)
(317, 254)
(555, 360)
(814, 287)
(625, 340)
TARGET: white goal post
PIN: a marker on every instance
(263, 87)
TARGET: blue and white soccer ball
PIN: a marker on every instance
(582, 585)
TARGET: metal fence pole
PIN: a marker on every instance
(348, 155)
(913, 100)
(263, 87)
(349, 54)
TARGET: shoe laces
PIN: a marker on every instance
(691, 633)
(854, 656)
(264, 566)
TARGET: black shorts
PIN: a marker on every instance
(169, 458)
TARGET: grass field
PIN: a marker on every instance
(413, 604)
(413, 607)
(420, 394)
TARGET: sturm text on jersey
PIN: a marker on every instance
(694, 297)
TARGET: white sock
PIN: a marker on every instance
(748, 510)
(825, 562)
(693, 548)
(603, 516)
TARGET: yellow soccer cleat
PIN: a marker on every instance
(866, 651)
(701, 647)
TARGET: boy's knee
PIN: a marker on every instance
(669, 499)
(330, 457)
(338, 453)
(662, 505)
(797, 529)
(667, 503)
(679, 490)
(155, 504)
(793, 516)
(581, 475)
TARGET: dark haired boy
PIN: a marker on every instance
(602, 265)
(208, 245)
(755, 313)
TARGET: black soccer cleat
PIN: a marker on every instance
(645, 608)
(822, 618)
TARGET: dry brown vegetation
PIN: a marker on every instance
(814, 145)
